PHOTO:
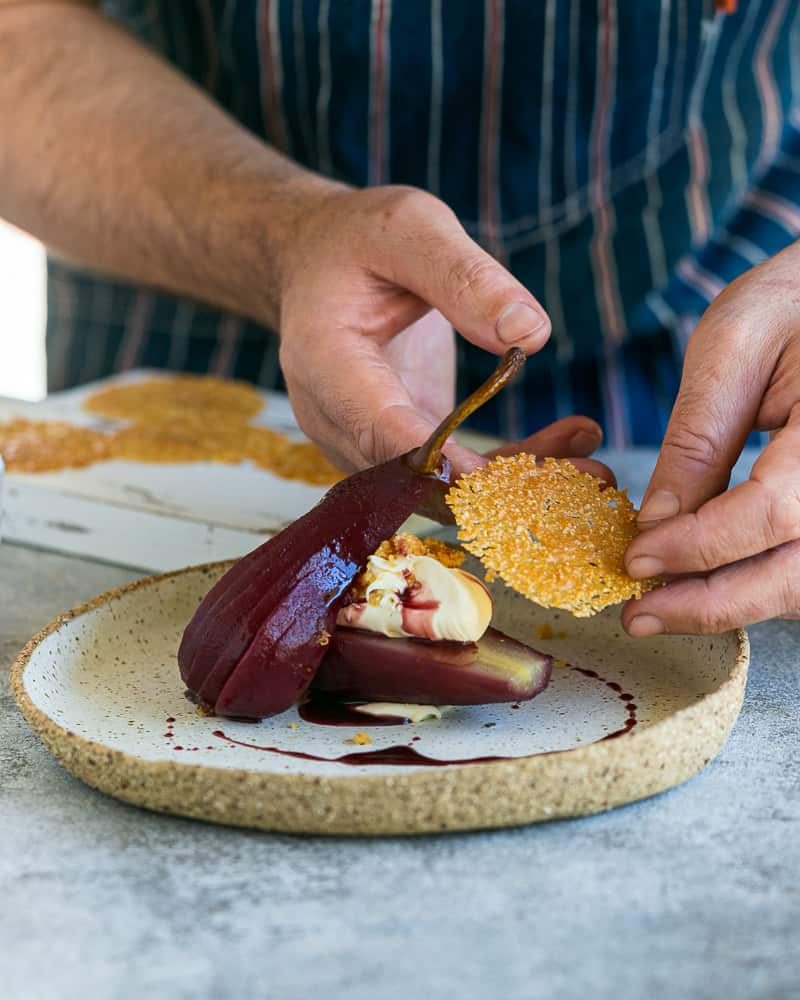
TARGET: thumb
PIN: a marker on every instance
(714, 412)
(450, 272)
(359, 411)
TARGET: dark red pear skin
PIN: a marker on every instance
(255, 641)
(365, 666)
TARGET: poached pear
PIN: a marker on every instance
(256, 640)
(364, 666)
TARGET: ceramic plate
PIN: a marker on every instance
(622, 719)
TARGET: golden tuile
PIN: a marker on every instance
(288, 459)
(201, 418)
(186, 439)
(183, 418)
(45, 446)
(182, 439)
(549, 531)
(175, 396)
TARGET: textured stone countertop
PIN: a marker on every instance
(693, 894)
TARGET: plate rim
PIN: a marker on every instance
(423, 800)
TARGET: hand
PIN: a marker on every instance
(737, 551)
(370, 368)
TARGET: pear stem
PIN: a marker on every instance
(426, 459)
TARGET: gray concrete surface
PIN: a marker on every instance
(693, 894)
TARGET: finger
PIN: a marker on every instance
(361, 411)
(750, 518)
(346, 456)
(425, 249)
(571, 436)
(597, 469)
(328, 438)
(766, 586)
(398, 423)
(424, 358)
(724, 377)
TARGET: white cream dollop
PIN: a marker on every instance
(392, 710)
(419, 597)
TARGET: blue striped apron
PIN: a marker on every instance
(625, 160)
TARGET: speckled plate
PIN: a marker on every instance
(622, 719)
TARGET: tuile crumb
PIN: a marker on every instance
(544, 631)
(409, 545)
(553, 533)
(402, 545)
(293, 725)
(360, 739)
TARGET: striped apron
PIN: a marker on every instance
(626, 160)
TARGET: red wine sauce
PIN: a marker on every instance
(327, 712)
(624, 697)
(389, 755)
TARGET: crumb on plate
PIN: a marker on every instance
(360, 739)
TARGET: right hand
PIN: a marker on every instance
(370, 368)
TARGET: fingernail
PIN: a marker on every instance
(520, 321)
(644, 625)
(583, 442)
(659, 505)
(645, 566)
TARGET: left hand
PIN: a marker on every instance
(736, 552)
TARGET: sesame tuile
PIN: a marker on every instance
(44, 446)
(153, 400)
(182, 418)
(200, 418)
(553, 533)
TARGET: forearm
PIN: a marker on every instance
(118, 162)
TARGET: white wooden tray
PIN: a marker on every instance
(149, 516)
